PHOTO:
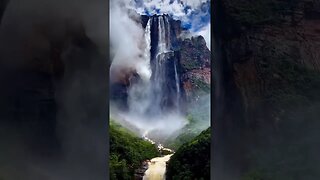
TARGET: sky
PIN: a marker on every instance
(194, 14)
(124, 31)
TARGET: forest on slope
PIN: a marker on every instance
(127, 152)
(192, 159)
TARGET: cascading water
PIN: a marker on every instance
(177, 85)
(163, 63)
(159, 72)
(168, 33)
(155, 102)
(147, 38)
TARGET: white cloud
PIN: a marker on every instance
(194, 3)
(206, 34)
(177, 9)
(127, 37)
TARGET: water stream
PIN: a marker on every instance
(158, 165)
(157, 168)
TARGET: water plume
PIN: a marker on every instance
(154, 102)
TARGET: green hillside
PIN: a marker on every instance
(127, 151)
(192, 160)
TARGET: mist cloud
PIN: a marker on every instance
(128, 39)
(205, 32)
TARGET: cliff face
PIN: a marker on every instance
(195, 61)
(189, 59)
(268, 83)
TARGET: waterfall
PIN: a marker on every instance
(168, 34)
(162, 48)
(177, 84)
(155, 103)
(139, 94)
(161, 71)
(147, 37)
(159, 95)
(176, 76)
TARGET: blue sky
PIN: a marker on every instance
(128, 37)
(194, 14)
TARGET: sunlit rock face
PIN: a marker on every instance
(195, 61)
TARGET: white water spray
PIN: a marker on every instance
(147, 37)
(177, 85)
(149, 99)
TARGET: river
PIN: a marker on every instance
(157, 168)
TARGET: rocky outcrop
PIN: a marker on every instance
(195, 62)
(268, 78)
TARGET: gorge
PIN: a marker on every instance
(159, 102)
(149, 100)
(54, 89)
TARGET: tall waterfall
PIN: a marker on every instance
(159, 91)
(164, 64)
(155, 102)
(147, 38)
(177, 85)
(159, 72)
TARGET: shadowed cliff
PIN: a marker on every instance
(267, 84)
(53, 109)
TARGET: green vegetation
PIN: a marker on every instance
(198, 120)
(192, 159)
(193, 53)
(165, 152)
(127, 151)
(190, 64)
(202, 87)
(190, 131)
(185, 136)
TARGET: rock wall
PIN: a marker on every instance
(195, 63)
(267, 84)
(193, 66)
